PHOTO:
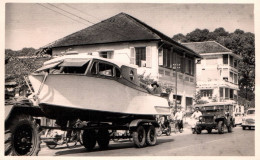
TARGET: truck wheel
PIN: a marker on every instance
(209, 131)
(89, 139)
(139, 137)
(151, 136)
(159, 131)
(198, 130)
(229, 128)
(51, 146)
(169, 131)
(220, 127)
(22, 136)
(103, 138)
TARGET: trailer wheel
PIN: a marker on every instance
(103, 138)
(89, 139)
(220, 127)
(22, 136)
(151, 136)
(139, 137)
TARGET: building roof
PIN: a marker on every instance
(119, 28)
(206, 47)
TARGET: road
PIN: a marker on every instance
(238, 143)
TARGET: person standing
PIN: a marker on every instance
(179, 118)
(195, 116)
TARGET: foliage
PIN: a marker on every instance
(197, 98)
(21, 63)
(241, 43)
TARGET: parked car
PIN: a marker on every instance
(249, 120)
(238, 119)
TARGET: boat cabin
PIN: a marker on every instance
(85, 65)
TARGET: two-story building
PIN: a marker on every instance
(129, 40)
(217, 72)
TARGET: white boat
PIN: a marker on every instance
(93, 88)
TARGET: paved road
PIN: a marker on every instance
(238, 143)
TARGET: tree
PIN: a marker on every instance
(241, 43)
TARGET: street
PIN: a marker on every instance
(238, 143)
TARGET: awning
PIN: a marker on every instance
(48, 66)
(74, 62)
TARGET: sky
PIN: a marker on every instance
(38, 24)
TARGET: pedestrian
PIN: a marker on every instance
(179, 118)
(195, 116)
(156, 90)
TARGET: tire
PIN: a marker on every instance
(209, 131)
(229, 128)
(249, 128)
(72, 139)
(80, 137)
(22, 136)
(220, 127)
(89, 139)
(169, 131)
(198, 130)
(193, 130)
(139, 137)
(151, 136)
(159, 132)
(103, 138)
(51, 146)
(243, 128)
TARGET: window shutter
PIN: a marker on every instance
(149, 56)
(132, 55)
(160, 57)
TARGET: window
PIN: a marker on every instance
(231, 77)
(226, 93)
(221, 92)
(105, 69)
(106, 54)
(189, 67)
(206, 93)
(140, 55)
(77, 66)
(231, 95)
(188, 101)
(231, 61)
(94, 68)
(225, 58)
(118, 73)
(178, 99)
(235, 79)
(235, 63)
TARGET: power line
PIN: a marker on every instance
(62, 14)
(87, 20)
(71, 13)
(80, 11)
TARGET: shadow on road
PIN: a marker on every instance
(114, 146)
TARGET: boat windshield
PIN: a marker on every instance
(251, 112)
(67, 66)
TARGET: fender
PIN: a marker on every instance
(20, 108)
(133, 124)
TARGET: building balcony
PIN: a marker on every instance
(216, 83)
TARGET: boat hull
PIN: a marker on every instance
(96, 94)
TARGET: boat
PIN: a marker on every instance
(93, 88)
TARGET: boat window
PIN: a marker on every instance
(48, 66)
(118, 73)
(74, 67)
(94, 68)
(105, 69)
